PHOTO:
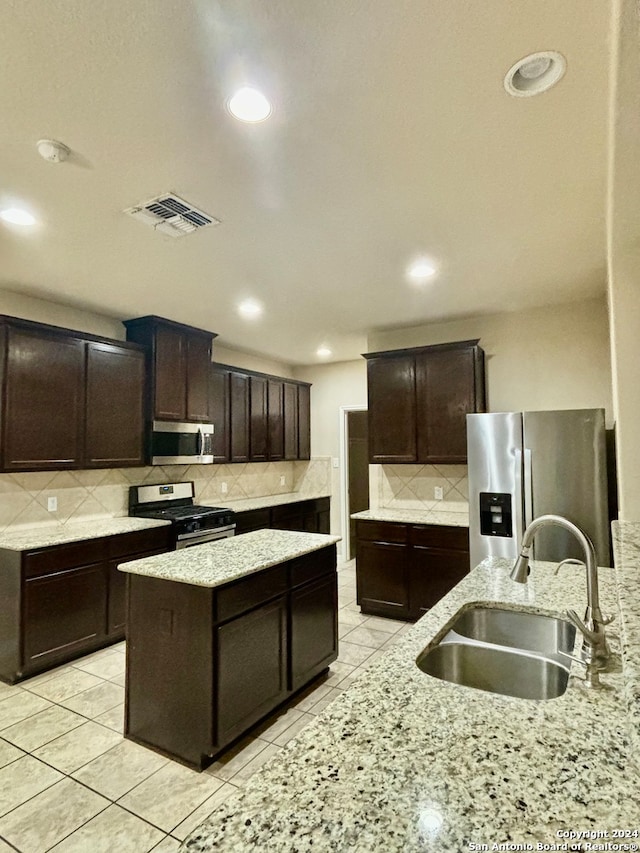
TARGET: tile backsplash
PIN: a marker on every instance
(413, 486)
(104, 493)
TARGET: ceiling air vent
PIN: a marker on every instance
(171, 215)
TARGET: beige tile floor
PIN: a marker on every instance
(70, 782)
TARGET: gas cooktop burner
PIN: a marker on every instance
(174, 502)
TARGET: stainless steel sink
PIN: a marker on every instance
(516, 629)
(496, 669)
(512, 652)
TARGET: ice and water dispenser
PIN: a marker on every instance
(495, 514)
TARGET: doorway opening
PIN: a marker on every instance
(354, 448)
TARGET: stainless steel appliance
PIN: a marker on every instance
(192, 524)
(175, 443)
(526, 464)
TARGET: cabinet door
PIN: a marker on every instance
(275, 419)
(304, 422)
(170, 374)
(198, 370)
(314, 629)
(290, 420)
(382, 573)
(392, 409)
(64, 614)
(251, 668)
(117, 593)
(239, 417)
(445, 382)
(258, 436)
(114, 435)
(252, 519)
(220, 410)
(434, 571)
(44, 409)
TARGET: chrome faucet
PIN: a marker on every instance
(595, 651)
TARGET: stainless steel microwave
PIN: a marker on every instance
(174, 443)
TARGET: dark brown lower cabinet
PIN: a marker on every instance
(206, 664)
(63, 614)
(66, 600)
(310, 516)
(402, 570)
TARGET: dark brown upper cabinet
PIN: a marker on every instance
(70, 400)
(258, 434)
(419, 399)
(266, 418)
(114, 431)
(178, 368)
(219, 397)
(275, 419)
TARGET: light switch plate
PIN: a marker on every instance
(335, 462)
(52, 504)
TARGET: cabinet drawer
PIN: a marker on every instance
(249, 592)
(48, 560)
(382, 531)
(139, 541)
(312, 566)
(437, 536)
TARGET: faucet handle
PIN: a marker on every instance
(590, 635)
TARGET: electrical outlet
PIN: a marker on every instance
(223, 488)
(438, 493)
(52, 504)
(283, 480)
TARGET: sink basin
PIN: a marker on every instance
(516, 629)
(495, 669)
(512, 652)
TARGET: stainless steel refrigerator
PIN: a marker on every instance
(526, 464)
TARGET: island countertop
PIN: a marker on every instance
(406, 762)
(220, 562)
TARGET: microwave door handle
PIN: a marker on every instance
(200, 442)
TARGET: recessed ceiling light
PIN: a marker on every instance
(323, 352)
(249, 105)
(17, 216)
(421, 269)
(535, 73)
(250, 309)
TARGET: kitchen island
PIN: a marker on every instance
(221, 634)
(406, 762)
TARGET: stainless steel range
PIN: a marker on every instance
(192, 524)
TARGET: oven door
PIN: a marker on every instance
(174, 443)
(199, 537)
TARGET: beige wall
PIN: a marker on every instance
(550, 358)
(225, 355)
(334, 385)
(42, 311)
(624, 252)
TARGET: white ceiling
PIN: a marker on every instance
(391, 135)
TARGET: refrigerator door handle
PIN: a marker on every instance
(528, 488)
(518, 509)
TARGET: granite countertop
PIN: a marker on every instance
(217, 563)
(271, 500)
(406, 762)
(28, 538)
(416, 516)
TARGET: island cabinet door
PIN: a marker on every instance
(251, 668)
(314, 629)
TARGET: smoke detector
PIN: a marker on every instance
(52, 151)
(172, 215)
(535, 73)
